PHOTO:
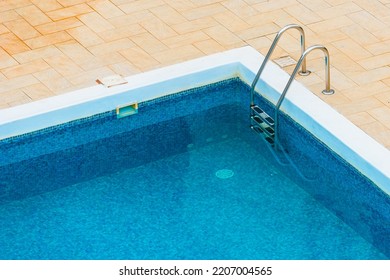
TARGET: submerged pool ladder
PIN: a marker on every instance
(261, 122)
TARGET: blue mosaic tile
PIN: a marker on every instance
(85, 150)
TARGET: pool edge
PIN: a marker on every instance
(325, 123)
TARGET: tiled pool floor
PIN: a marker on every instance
(49, 47)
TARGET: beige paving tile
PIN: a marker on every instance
(360, 35)
(12, 44)
(2, 77)
(375, 61)
(382, 114)
(366, 90)
(57, 26)
(379, 132)
(338, 79)
(255, 32)
(6, 60)
(203, 11)
(85, 36)
(194, 25)
(96, 22)
(339, 10)
(48, 74)
(370, 76)
(3, 29)
(36, 54)
(113, 46)
(37, 91)
(20, 101)
(9, 16)
(302, 13)
(120, 2)
(63, 65)
(231, 21)
(185, 39)
(267, 6)
(312, 79)
(315, 5)
(262, 19)
(8, 5)
(106, 9)
(222, 35)
(209, 46)
(261, 44)
(101, 61)
(136, 6)
(53, 81)
(352, 49)
(335, 100)
(158, 28)
(383, 34)
(13, 98)
(25, 69)
(384, 97)
(69, 12)
(379, 48)
(330, 24)
(139, 58)
(174, 55)
(124, 69)
(33, 15)
(325, 38)
(149, 43)
(121, 32)
(75, 51)
(134, 18)
(17, 83)
(371, 23)
(67, 3)
(361, 118)
(168, 14)
(359, 105)
(47, 40)
(181, 5)
(22, 29)
(47, 5)
(290, 42)
(374, 7)
(344, 63)
(240, 8)
(88, 78)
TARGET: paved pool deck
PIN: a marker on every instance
(50, 47)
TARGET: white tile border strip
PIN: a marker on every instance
(344, 138)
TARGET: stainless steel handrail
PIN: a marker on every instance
(270, 51)
(327, 89)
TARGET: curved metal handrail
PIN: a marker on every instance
(270, 51)
(327, 89)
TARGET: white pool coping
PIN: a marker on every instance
(339, 134)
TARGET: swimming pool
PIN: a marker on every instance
(185, 178)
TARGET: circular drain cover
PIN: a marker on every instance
(224, 173)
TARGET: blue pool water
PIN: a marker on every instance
(184, 179)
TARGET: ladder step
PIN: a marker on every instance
(263, 126)
(263, 115)
(259, 130)
(270, 140)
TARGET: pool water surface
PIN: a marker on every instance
(196, 185)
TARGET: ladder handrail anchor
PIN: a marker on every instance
(303, 72)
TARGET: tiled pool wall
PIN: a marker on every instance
(333, 181)
(74, 149)
(66, 154)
